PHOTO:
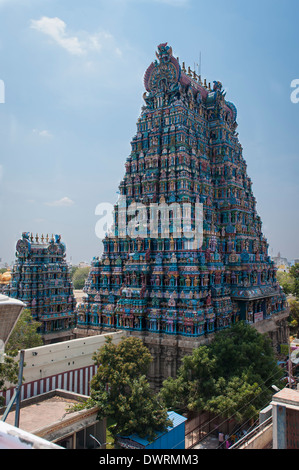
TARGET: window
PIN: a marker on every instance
(80, 439)
(84, 439)
(66, 442)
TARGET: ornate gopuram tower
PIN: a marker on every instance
(185, 176)
(41, 279)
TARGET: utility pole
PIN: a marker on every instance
(17, 394)
(18, 399)
(290, 365)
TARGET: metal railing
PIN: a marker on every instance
(251, 434)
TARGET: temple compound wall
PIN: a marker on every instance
(168, 352)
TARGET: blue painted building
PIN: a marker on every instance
(173, 438)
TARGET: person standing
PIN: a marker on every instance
(221, 439)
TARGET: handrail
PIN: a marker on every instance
(252, 433)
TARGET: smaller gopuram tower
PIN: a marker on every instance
(41, 279)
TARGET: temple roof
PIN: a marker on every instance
(252, 292)
(169, 70)
(5, 278)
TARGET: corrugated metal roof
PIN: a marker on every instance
(176, 421)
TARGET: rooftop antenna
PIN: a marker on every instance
(199, 64)
(199, 67)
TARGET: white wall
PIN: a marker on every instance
(52, 359)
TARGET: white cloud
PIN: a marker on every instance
(63, 202)
(56, 29)
(43, 133)
(78, 44)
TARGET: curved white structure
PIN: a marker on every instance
(10, 311)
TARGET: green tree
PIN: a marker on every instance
(121, 391)
(286, 281)
(24, 334)
(175, 393)
(294, 273)
(194, 383)
(236, 368)
(235, 397)
(139, 411)
(242, 348)
(9, 371)
(72, 270)
(294, 317)
(79, 276)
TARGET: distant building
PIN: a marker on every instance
(79, 295)
(41, 279)
(82, 264)
(5, 279)
(282, 264)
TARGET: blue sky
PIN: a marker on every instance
(73, 75)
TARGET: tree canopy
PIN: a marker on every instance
(286, 281)
(24, 336)
(289, 281)
(232, 376)
(121, 391)
(9, 371)
(79, 276)
(294, 274)
(294, 316)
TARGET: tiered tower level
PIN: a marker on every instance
(186, 150)
(41, 279)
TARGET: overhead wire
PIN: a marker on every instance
(243, 424)
(246, 404)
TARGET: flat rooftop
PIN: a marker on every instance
(287, 396)
(44, 410)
